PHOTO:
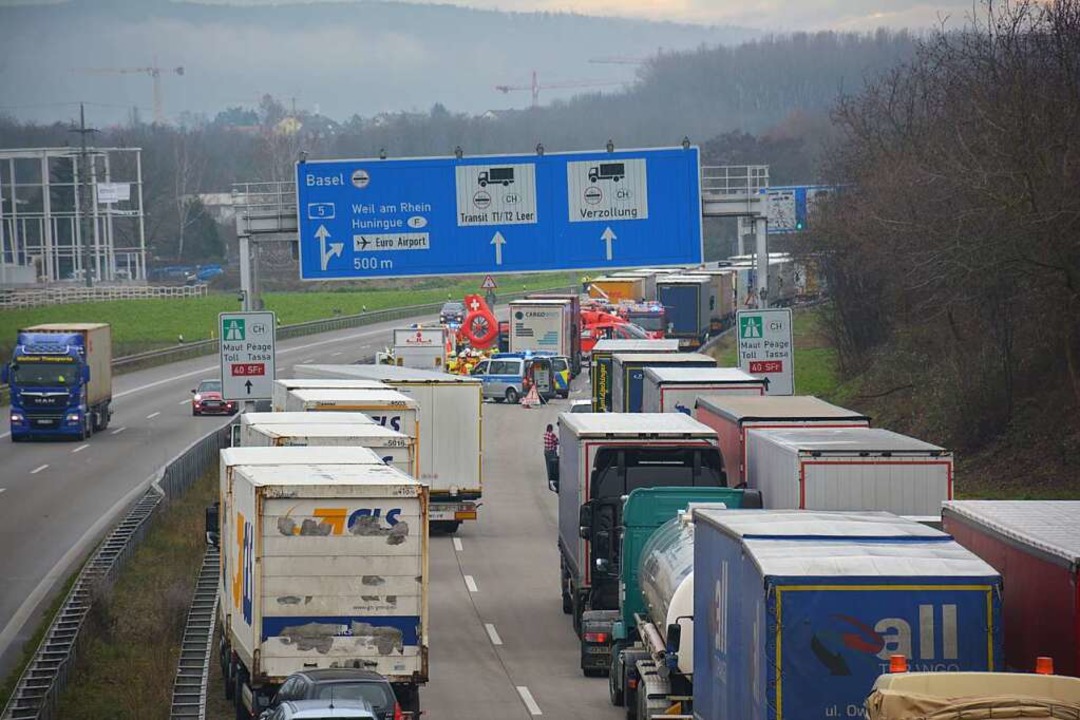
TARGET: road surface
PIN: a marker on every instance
(58, 498)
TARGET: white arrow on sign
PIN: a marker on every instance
(498, 241)
(607, 237)
(335, 248)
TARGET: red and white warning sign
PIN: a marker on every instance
(531, 399)
(488, 284)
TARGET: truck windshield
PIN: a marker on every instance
(630, 331)
(648, 322)
(620, 470)
(30, 374)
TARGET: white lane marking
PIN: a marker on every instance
(117, 431)
(493, 634)
(469, 582)
(527, 698)
(185, 401)
(305, 361)
(36, 470)
(336, 354)
(457, 544)
(2, 489)
(63, 566)
(152, 415)
(80, 448)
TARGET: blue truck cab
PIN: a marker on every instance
(60, 381)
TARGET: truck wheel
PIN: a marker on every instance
(593, 672)
(238, 699)
(512, 396)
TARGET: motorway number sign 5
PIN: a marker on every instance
(247, 354)
(766, 348)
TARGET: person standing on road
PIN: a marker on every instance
(551, 456)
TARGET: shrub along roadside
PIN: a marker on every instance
(130, 644)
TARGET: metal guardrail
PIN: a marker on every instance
(734, 179)
(199, 348)
(37, 694)
(20, 298)
(193, 667)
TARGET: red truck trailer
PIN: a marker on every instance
(1035, 545)
(732, 416)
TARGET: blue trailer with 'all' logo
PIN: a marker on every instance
(797, 613)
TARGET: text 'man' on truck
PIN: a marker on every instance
(60, 378)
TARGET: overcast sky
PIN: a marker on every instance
(776, 15)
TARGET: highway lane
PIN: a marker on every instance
(57, 498)
(506, 650)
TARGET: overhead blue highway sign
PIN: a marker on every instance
(498, 214)
(789, 208)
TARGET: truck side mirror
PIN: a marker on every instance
(213, 533)
(585, 522)
(234, 435)
(751, 499)
(674, 637)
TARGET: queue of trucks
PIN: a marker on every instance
(323, 520)
(724, 553)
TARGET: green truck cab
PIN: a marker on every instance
(605, 632)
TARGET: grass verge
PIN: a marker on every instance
(141, 325)
(815, 360)
(130, 643)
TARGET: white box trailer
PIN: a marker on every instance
(388, 408)
(283, 387)
(542, 325)
(327, 567)
(451, 432)
(676, 389)
(848, 469)
(732, 417)
(230, 458)
(421, 347)
(352, 430)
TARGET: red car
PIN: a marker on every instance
(206, 400)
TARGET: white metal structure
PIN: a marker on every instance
(43, 208)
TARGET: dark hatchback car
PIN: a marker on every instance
(452, 313)
(340, 684)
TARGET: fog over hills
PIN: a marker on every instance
(340, 58)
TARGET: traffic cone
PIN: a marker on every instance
(531, 399)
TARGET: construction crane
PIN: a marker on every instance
(616, 60)
(535, 87)
(154, 71)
